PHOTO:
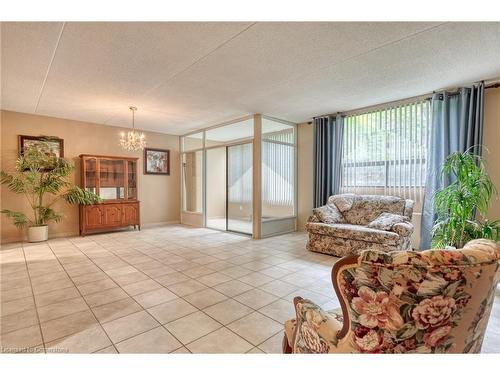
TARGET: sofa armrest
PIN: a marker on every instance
(408, 210)
(315, 330)
(404, 229)
(312, 219)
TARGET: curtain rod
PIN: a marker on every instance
(379, 105)
(401, 101)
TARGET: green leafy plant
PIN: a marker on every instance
(462, 206)
(43, 179)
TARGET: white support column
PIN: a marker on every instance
(204, 182)
(257, 184)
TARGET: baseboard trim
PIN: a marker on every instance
(160, 224)
(274, 234)
(24, 238)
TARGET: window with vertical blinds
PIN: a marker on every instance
(385, 151)
(278, 165)
(278, 170)
(239, 173)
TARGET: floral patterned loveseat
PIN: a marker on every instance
(435, 301)
(351, 223)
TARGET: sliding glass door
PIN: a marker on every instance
(229, 188)
(219, 167)
(239, 188)
(278, 177)
(216, 188)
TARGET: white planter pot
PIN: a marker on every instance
(38, 233)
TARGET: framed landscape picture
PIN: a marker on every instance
(53, 145)
(156, 161)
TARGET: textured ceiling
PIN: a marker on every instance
(186, 76)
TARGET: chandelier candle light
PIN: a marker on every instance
(133, 140)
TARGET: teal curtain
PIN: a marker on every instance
(327, 136)
(457, 125)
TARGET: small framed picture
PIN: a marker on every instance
(53, 145)
(156, 161)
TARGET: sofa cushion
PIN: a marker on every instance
(404, 229)
(386, 220)
(408, 211)
(328, 214)
(362, 209)
(311, 316)
(343, 202)
(355, 232)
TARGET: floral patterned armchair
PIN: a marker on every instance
(351, 223)
(435, 301)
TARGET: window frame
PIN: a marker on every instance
(379, 118)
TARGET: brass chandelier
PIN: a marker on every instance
(133, 140)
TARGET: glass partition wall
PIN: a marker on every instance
(216, 208)
(228, 150)
(226, 187)
(192, 161)
(192, 180)
(239, 188)
(278, 176)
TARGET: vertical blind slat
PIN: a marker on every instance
(384, 151)
(278, 168)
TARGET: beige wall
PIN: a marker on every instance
(491, 137)
(192, 218)
(159, 195)
(193, 172)
(491, 141)
(216, 183)
(305, 173)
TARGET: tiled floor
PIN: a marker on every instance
(233, 224)
(173, 289)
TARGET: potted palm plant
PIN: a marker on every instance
(462, 206)
(43, 179)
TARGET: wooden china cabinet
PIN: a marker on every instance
(114, 179)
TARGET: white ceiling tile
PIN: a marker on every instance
(103, 67)
(185, 76)
(26, 52)
(451, 55)
(269, 54)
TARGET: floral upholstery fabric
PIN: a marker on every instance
(328, 214)
(408, 210)
(318, 328)
(386, 220)
(404, 229)
(358, 232)
(341, 247)
(361, 209)
(343, 202)
(436, 301)
(353, 236)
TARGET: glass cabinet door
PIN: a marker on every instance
(112, 179)
(132, 179)
(90, 175)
